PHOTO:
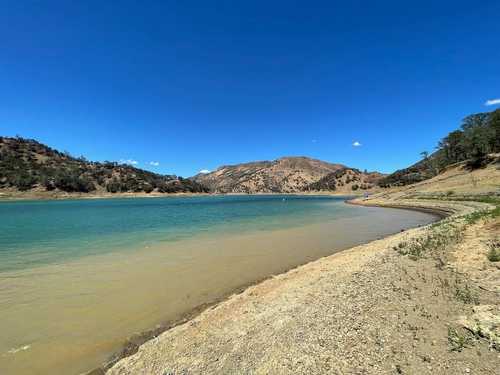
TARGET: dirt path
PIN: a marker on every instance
(394, 306)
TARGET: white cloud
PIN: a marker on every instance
(204, 171)
(356, 144)
(154, 163)
(492, 102)
(129, 161)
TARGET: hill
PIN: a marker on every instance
(457, 182)
(478, 136)
(284, 175)
(27, 165)
(346, 180)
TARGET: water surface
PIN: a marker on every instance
(78, 277)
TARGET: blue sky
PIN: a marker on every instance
(194, 85)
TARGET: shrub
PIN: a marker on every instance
(48, 183)
(24, 181)
(113, 186)
(466, 294)
(456, 341)
(71, 182)
(494, 252)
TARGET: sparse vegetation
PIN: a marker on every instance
(26, 164)
(465, 294)
(477, 215)
(438, 237)
(484, 214)
(494, 251)
(345, 176)
(457, 341)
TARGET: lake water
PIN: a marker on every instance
(77, 277)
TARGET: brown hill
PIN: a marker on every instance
(27, 165)
(284, 175)
(455, 182)
(347, 180)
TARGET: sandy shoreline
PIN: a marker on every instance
(48, 196)
(151, 351)
(134, 342)
(6, 197)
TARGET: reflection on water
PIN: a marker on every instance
(68, 316)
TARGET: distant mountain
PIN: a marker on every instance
(26, 164)
(284, 175)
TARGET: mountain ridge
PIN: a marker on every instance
(288, 174)
(27, 165)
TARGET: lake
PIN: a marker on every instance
(78, 277)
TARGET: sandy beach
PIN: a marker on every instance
(395, 305)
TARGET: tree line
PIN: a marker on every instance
(477, 138)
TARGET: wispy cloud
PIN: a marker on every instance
(492, 102)
(204, 171)
(154, 163)
(356, 144)
(314, 140)
(129, 161)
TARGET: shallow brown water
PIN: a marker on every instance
(69, 318)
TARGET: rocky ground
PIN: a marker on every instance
(423, 301)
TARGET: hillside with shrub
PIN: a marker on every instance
(477, 138)
(26, 165)
(292, 174)
(346, 180)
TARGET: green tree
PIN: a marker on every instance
(113, 186)
(494, 122)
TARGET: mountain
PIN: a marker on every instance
(284, 175)
(27, 165)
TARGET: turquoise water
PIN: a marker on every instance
(78, 277)
(43, 232)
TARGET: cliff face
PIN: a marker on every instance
(285, 175)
